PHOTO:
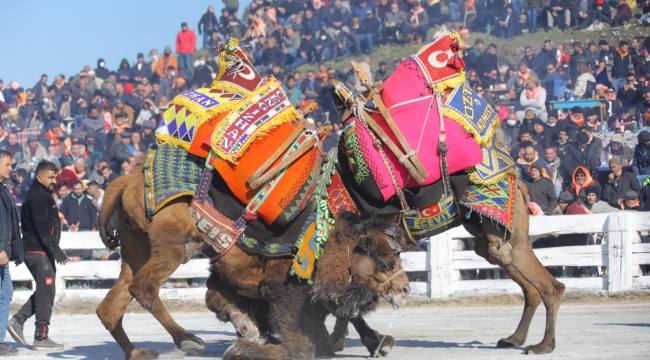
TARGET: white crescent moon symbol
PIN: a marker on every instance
(249, 75)
(433, 58)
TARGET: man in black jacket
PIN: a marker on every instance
(618, 183)
(541, 189)
(41, 228)
(11, 248)
(487, 61)
(579, 154)
(80, 206)
(367, 32)
(210, 24)
(545, 58)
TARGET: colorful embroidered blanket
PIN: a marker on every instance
(414, 109)
(169, 172)
(256, 115)
(471, 112)
(496, 201)
(496, 164)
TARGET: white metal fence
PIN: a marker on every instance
(621, 255)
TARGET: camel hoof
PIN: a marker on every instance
(506, 343)
(538, 349)
(143, 354)
(190, 343)
(245, 327)
(338, 346)
(235, 351)
(385, 347)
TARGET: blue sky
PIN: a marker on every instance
(60, 37)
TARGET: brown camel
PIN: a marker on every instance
(152, 249)
(227, 297)
(359, 265)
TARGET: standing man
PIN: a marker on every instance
(619, 65)
(185, 46)
(210, 24)
(41, 228)
(11, 248)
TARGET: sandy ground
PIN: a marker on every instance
(604, 331)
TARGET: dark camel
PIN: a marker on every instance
(515, 256)
(152, 249)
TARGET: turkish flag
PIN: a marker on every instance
(429, 211)
(437, 59)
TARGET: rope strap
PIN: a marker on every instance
(391, 277)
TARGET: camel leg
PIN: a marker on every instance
(375, 342)
(231, 307)
(516, 253)
(337, 337)
(145, 288)
(111, 310)
(532, 297)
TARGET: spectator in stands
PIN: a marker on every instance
(167, 64)
(619, 182)
(594, 142)
(141, 70)
(417, 23)
(582, 13)
(81, 206)
(61, 193)
(11, 145)
(125, 168)
(185, 46)
(294, 93)
(508, 24)
(76, 152)
(579, 153)
(101, 71)
(367, 31)
(96, 195)
(533, 98)
(33, 152)
(556, 81)
(148, 134)
(631, 201)
(641, 164)
(511, 127)
(574, 122)
(643, 110)
(569, 205)
(529, 157)
(487, 61)
(394, 20)
(619, 65)
(541, 189)
(594, 205)
(516, 83)
(578, 59)
(591, 121)
(79, 168)
(581, 85)
(544, 60)
(559, 11)
(629, 94)
(530, 58)
(323, 46)
(108, 176)
(207, 25)
(554, 165)
(623, 14)
(580, 181)
(621, 120)
(120, 150)
(616, 147)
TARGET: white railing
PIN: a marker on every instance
(621, 255)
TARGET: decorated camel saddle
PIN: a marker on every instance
(420, 145)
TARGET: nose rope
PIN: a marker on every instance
(391, 277)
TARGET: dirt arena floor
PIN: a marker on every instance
(616, 330)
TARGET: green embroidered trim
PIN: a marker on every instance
(357, 159)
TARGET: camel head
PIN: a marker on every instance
(359, 265)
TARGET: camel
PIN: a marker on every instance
(152, 249)
(230, 300)
(359, 265)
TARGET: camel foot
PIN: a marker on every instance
(385, 348)
(238, 350)
(245, 327)
(509, 342)
(539, 349)
(143, 354)
(190, 343)
(339, 345)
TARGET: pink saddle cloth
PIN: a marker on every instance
(409, 100)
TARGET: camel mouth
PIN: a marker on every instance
(396, 299)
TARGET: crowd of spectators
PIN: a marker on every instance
(96, 124)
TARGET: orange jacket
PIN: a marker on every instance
(171, 61)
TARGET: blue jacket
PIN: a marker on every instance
(10, 241)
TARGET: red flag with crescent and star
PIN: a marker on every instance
(441, 59)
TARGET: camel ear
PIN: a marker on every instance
(365, 244)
